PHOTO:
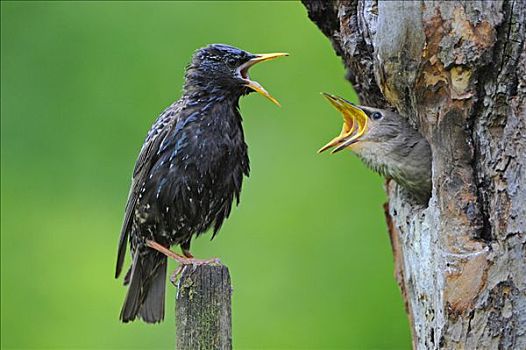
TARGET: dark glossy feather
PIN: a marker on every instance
(146, 157)
(188, 174)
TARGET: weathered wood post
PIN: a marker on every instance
(203, 308)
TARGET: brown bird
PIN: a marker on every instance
(386, 143)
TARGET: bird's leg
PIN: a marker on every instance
(186, 252)
(162, 249)
(185, 247)
(183, 260)
(194, 261)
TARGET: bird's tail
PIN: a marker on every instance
(145, 297)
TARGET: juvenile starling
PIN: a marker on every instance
(387, 144)
(188, 173)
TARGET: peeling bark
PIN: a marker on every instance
(457, 71)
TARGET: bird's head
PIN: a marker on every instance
(363, 126)
(224, 67)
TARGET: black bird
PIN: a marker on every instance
(188, 174)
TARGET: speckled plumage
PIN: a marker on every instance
(188, 174)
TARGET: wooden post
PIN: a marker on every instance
(203, 308)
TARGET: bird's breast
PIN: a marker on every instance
(197, 176)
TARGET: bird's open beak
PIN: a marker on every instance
(254, 85)
(354, 124)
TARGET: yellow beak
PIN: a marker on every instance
(254, 85)
(354, 124)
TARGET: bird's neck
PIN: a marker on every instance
(212, 103)
(206, 99)
(199, 85)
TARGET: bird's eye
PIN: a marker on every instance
(231, 62)
(376, 116)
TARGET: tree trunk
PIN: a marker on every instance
(457, 71)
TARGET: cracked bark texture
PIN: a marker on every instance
(457, 71)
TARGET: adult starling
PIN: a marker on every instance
(188, 173)
(386, 143)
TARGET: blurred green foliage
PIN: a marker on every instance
(81, 84)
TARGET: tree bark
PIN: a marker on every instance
(457, 71)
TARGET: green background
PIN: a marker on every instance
(307, 248)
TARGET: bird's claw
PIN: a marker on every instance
(199, 262)
(174, 277)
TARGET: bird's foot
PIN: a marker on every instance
(174, 277)
(191, 262)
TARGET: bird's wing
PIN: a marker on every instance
(147, 157)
